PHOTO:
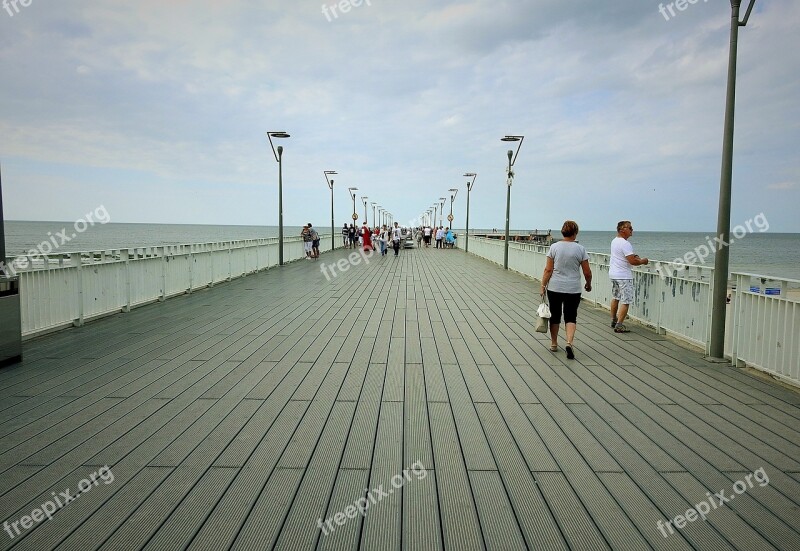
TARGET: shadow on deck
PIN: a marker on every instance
(247, 415)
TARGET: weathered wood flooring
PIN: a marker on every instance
(237, 417)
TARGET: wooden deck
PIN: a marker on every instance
(236, 417)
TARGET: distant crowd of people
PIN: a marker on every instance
(385, 236)
(370, 238)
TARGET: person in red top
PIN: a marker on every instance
(367, 234)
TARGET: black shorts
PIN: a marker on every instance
(315, 244)
(568, 301)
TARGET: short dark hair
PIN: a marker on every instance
(622, 223)
(569, 229)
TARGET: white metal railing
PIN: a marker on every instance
(765, 330)
(71, 288)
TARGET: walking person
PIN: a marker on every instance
(419, 237)
(439, 237)
(621, 274)
(449, 238)
(366, 237)
(426, 235)
(345, 235)
(383, 237)
(561, 280)
(353, 236)
(397, 235)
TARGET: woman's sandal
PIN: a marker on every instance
(553, 348)
(620, 328)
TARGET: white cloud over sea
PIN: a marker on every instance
(158, 110)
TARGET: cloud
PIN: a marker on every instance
(783, 186)
(401, 98)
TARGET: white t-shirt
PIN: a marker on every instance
(427, 231)
(440, 234)
(620, 267)
(396, 234)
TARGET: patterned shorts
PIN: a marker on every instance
(622, 290)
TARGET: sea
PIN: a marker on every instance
(767, 253)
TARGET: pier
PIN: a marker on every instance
(255, 413)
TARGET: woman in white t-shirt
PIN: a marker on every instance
(561, 281)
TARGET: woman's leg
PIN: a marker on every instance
(556, 300)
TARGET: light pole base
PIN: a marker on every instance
(713, 360)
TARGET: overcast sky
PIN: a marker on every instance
(158, 110)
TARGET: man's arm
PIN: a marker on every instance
(634, 260)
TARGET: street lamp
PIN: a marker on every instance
(441, 210)
(512, 157)
(352, 191)
(718, 299)
(374, 221)
(278, 157)
(366, 218)
(472, 175)
(453, 192)
(330, 185)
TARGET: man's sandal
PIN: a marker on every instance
(620, 328)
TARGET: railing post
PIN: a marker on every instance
(191, 269)
(230, 262)
(75, 259)
(126, 257)
(163, 296)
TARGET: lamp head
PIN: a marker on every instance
(280, 150)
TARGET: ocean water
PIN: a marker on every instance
(771, 254)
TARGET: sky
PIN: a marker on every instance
(158, 111)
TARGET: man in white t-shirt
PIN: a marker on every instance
(621, 274)
(397, 235)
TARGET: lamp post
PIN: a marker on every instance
(718, 299)
(2, 233)
(435, 210)
(472, 175)
(352, 191)
(374, 221)
(366, 218)
(453, 192)
(512, 157)
(441, 210)
(330, 185)
(278, 157)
